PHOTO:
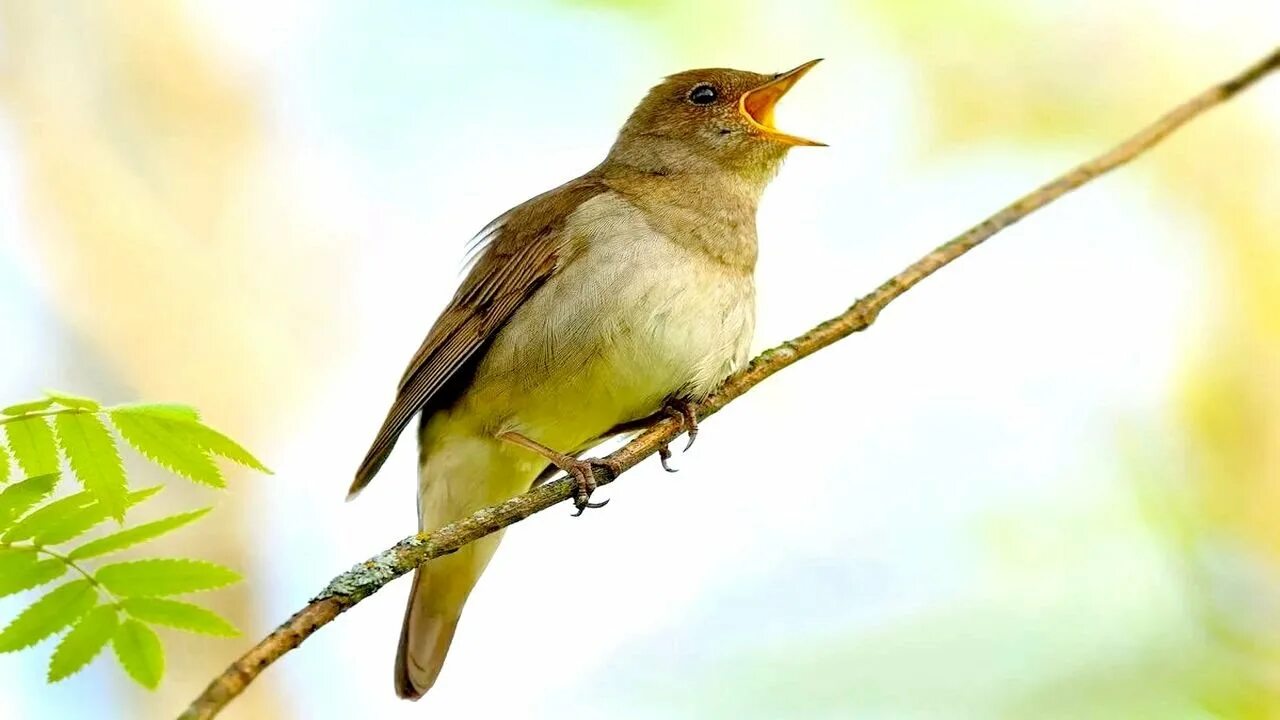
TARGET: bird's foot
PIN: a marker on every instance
(581, 472)
(684, 411)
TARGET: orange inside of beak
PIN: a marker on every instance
(757, 105)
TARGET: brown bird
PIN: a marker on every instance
(618, 295)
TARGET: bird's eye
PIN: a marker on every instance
(703, 95)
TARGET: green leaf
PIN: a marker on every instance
(159, 410)
(139, 651)
(92, 453)
(4, 465)
(132, 536)
(219, 444)
(84, 642)
(178, 614)
(26, 407)
(157, 441)
(168, 576)
(31, 442)
(193, 432)
(21, 496)
(21, 569)
(47, 516)
(75, 402)
(78, 522)
(59, 608)
(14, 559)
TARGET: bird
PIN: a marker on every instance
(624, 294)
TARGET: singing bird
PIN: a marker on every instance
(619, 295)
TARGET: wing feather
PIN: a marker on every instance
(522, 250)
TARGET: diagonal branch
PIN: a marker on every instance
(368, 577)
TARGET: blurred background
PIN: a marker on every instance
(1044, 485)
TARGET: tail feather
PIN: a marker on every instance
(440, 589)
(424, 641)
(458, 473)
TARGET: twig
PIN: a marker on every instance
(368, 577)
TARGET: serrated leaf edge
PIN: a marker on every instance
(173, 522)
(64, 643)
(132, 670)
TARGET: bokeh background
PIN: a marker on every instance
(1045, 485)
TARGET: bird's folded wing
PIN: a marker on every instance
(524, 249)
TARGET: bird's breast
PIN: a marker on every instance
(633, 319)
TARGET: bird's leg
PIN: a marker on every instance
(582, 472)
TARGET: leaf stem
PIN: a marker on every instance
(47, 413)
(115, 599)
(66, 560)
(69, 563)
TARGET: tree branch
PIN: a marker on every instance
(370, 576)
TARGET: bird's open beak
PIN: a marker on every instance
(757, 105)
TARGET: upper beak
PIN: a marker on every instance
(756, 106)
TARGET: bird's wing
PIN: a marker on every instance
(523, 249)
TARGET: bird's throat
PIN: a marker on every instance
(712, 212)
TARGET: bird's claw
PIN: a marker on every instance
(664, 454)
(683, 410)
(583, 475)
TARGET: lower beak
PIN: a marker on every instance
(756, 106)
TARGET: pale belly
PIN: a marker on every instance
(608, 339)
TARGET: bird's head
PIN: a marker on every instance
(719, 115)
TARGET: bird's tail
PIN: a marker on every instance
(440, 589)
(461, 477)
(424, 641)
